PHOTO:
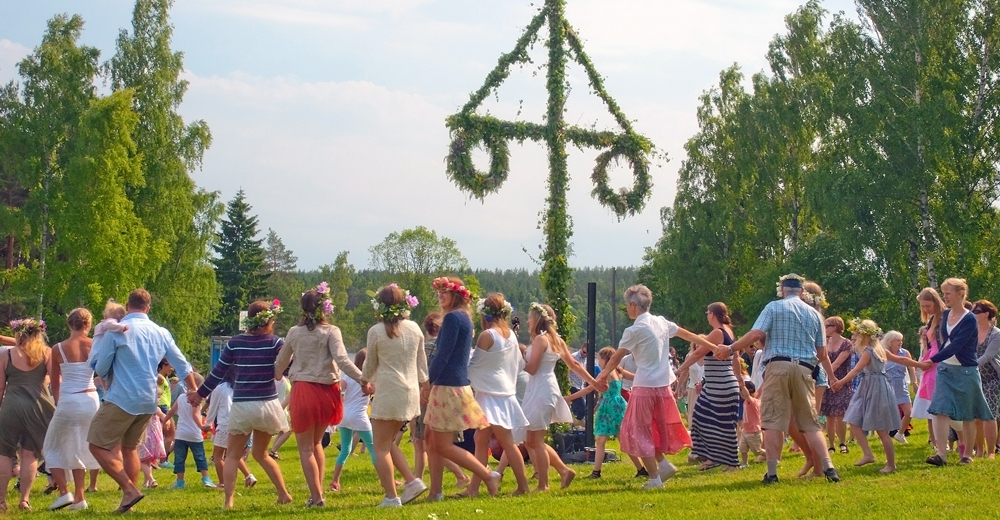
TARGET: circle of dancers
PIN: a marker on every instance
(106, 402)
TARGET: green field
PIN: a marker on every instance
(916, 490)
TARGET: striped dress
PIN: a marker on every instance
(713, 427)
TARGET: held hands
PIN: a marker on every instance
(367, 388)
(722, 352)
(193, 398)
(207, 427)
(601, 385)
(925, 365)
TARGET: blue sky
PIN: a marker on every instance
(330, 113)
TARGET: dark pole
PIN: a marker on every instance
(591, 347)
(614, 307)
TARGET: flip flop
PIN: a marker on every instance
(708, 465)
(125, 508)
(843, 448)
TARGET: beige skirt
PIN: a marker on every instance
(453, 409)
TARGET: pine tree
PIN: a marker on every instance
(240, 268)
(278, 258)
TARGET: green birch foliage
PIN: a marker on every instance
(102, 245)
(181, 217)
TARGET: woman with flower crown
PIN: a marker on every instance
(247, 360)
(873, 405)
(397, 364)
(316, 401)
(493, 370)
(543, 401)
(451, 407)
(26, 406)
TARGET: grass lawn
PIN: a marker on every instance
(916, 490)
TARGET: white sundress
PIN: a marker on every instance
(66, 445)
(493, 377)
(543, 402)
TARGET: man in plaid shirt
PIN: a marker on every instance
(795, 345)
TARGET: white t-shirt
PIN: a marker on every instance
(696, 373)
(187, 430)
(628, 364)
(220, 403)
(355, 407)
(757, 377)
(648, 339)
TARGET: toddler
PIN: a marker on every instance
(113, 313)
(750, 437)
(189, 423)
(355, 422)
(220, 402)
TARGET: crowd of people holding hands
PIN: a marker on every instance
(105, 403)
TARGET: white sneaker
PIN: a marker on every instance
(79, 506)
(61, 502)
(667, 469)
(653, 484)
(250, 481)
(900, 438)
(412, 490)
(390, 502)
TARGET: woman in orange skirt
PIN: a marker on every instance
(316, 403)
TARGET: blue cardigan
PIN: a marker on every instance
(454, 346)
(964, 340)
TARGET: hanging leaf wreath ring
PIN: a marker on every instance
(463, 172)
(633, 149)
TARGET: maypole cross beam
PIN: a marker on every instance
(470, 130)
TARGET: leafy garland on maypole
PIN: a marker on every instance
(470, 130)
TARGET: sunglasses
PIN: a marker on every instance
(979, 310)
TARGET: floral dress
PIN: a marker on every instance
(835, 403)
(611, 410)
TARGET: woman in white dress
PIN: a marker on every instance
(543, 401)
(72, 381)
(493, 370)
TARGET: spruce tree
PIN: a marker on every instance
(239, 269)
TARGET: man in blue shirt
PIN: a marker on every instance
(795, 346)
(129, 360)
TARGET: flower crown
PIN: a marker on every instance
(390, 312)
(262, 318)
(27, 326)
(538, 308)
(491, 313)
(323, 289)
(789, 276)
(444, 284)
(858, 326)
(815, 299)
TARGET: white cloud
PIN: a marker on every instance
(10, 54)
(336, 14)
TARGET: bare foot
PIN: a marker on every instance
(541, 489)
(567, 478)
(805, 469)
(463, 482)
(731, 469)
(863, 461)
(284, 498)
(519, 492)
(887, 469)
(493, 484)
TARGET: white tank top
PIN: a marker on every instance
(76, 377)
(494, 371)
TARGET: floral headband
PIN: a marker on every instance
(262, 318)
(789, 280)
(815, 299)
(391, 312)
(858, 326)
(323, 289)
(540, 310)
(491, 313)
(444, 284)
(27, 326)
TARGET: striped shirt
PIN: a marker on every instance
(252, 360)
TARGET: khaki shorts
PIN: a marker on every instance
(788, 392)
(112, 426)
(751, 442)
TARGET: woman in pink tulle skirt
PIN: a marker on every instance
(652, 427)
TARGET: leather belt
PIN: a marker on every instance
(790, 360)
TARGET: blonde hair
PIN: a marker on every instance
(115, 310)
(930, 294)
(546, 325)
(863, 341)
(957, 283)
(32, 345)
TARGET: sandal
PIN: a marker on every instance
(936, 460)
(831, 449)
(708, 465)
(274, 455)
(965, 460)
(334, 486)
(843, 448)
(24, 505)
